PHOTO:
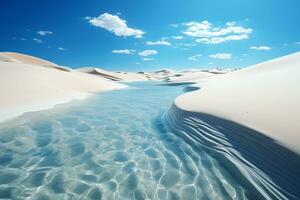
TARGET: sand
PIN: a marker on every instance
(117, 76)
(25, 59)
(188, 77)
(31, 87)
(264, 97)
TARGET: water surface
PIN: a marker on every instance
(113, 145)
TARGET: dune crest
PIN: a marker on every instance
(25, 59)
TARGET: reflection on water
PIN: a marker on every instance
(111, 146)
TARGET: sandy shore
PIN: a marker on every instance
(27, 85)
(264, 97)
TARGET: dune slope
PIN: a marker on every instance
(27, 87)
(264, 97)
(25, 59)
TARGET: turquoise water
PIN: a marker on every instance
(113, 145)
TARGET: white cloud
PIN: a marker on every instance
(137, 63)
(221, 56)
(261, 48)
(37, 40)
(115, 25)
(124, 51)
(147, 59)
(195, 57)
(207, 33)
(23, 39)
(44, 33)
(297, 43)
(148, 53)
(177, 37)
(217, 40)
(163, 41)
(61, 49)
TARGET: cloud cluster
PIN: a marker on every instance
(261, 48)
(221, 56)
(124, 51)
(163, 41)
(115, 25)
(207, 33)
(147, 53)
(195, 57)
(44, 33)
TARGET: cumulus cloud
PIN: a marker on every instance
(195, 57)
(177, 37)
(115, 24)
(221, 56)
(124, 51)
(217, 40)
(261, 48)
(207, 33)
(147, 53)
(44, 33)
(163, 41)
(37, 40)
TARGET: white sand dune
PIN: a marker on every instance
(30, 87)
(117, 76)
(25, 59)
(249, 120)
(188, 77)
(264, 97)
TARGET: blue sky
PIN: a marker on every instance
(145, 35)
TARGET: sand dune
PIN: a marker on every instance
(25, 59)
(264, 97)
(117, 76)
(28, 87)
(188, 77)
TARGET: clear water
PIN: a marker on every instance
(112, 146)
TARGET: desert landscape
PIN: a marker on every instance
(190, 105)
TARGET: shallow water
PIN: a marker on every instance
(113, 145)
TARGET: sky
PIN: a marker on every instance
(147, 35)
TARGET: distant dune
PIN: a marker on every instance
(117, 76)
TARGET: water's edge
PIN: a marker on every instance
(269, 170)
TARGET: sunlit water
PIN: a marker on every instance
(113, 145)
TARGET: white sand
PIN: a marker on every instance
(25, 59)
(189, 77)
(264, 97)
(28, 87)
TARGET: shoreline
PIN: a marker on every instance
(12, 113)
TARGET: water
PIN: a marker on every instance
(113, 145)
